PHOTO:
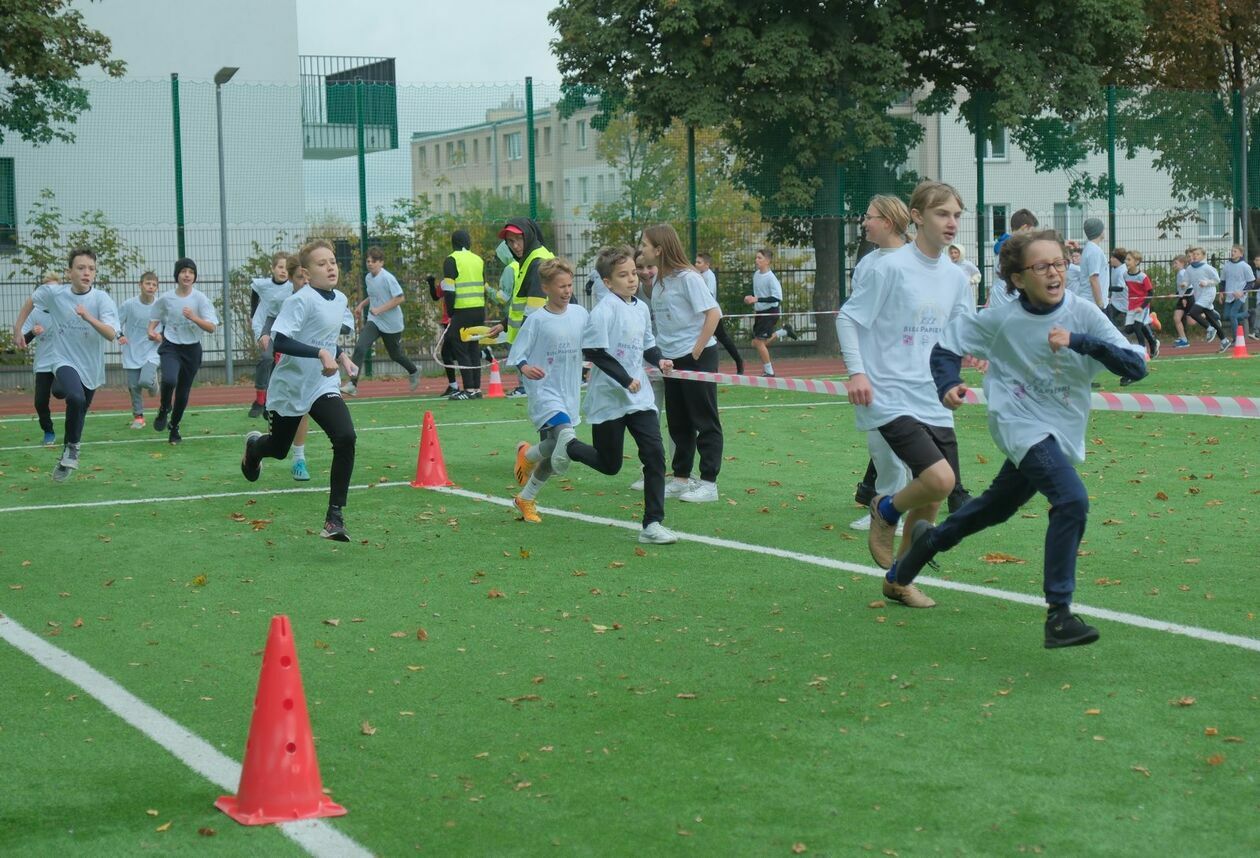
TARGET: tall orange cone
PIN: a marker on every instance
(430, 467)
(496, 383)
(1240, 344)
(280, 777)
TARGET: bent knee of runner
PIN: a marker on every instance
(938, 479)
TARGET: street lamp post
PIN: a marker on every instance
(221, 77)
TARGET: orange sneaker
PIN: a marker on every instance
(524, 467)
(528, 509)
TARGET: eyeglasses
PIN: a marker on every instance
(1059, 265)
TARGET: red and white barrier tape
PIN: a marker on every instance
(1155, 403)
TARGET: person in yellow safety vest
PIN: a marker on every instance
(464, 294)
(524, 240)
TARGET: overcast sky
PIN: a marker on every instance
(431, 40)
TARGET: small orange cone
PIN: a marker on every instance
(430, 468)
(496, 383)
(280, 777)
(1240, 344)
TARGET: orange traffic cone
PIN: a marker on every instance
(430, 468)
(1240, 344)
(496, 383)
(280, 777)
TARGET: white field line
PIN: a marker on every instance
(243, 407)
(316, 836)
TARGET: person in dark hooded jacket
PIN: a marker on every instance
(524, 239)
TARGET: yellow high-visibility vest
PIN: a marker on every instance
(470, 283)
(522, 304)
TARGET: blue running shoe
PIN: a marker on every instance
(300, 473)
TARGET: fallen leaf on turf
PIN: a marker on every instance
(1141, 769)
(1109, 522)
(166, 826)
(484, 755)
(1183, 701)
(1234, 740)
(1209, 731)
(640, 552)
(525, 698)
(799, 848)
(1191, 560)
(151, 812)
(397, 634)
(524, 553)
(198, 581)
(495, 593)
(685, 695)
(1001, 557)
(422, 635)
(78, 624)
(1093, 711)
(981, 459)
(207, 832)
(237, 516)
(1216, 759)
(616, 564)
(1161, 496)
(878, 603)
(26, 563)
(367, 729)
(259, 523)
(333, 623)
(522, 785)
(598, 629)
(414, 667)
(321, 644)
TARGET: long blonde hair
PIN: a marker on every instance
(671, 259)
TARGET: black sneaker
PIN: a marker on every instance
(475, 394)
(251, 467)
(1063, 628)
(256, 410)
(1155, 350)
(175, 437)
(1225, 344)
(459, 396)
(516, 393)
(334, 526)
(920, 553)
(864, 494)
(790, 331)
(958, 498)
(1126, 381)
(159, 425)
(450, 391)
(67, 464)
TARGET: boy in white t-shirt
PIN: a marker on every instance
(1185, 299)
(1236, 278)
(1043, 351)
(767, 303)
(1202, 280)
(617, 340)
(182, 316)
(887, 330)
(39, 332)
(704, 264)
(266, 294)
(139, 349)
(548, 356)
(383, 300)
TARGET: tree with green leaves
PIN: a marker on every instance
(50, 239)
(803, 90)
(43, 45)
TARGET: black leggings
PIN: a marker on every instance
(1144, 334)
(1207, 318)
(330, 414)
(78, 401)
(393, 345)
(43, 393)
(605, 455)
(468, 353)
(180, 363)
(724, 339)
(449, 355)
(691, 413)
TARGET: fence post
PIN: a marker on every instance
(179, 167)
(361, 153)
(842, 251)
(529, 142)
(981, 132)
(691, 192)
(1240, 171)
(1111, 166)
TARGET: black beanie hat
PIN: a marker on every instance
(181, 264)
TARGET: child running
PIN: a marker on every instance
(617, 340)
(767, 302)
(268, 293)
(39, 329)
(548, 356)
(887, 330)
(1185, 299)
(139, 347)
(385, 320)
(1137, 318)
(1202, 279)
(1236, 278)
(183, 316)
(85, 319)
(1043, 349)
(305, 381)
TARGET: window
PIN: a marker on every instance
(422, 157)
(582, 196)
(547, 140)
(564, 134)
(507, 191)
(437, 156)
(1069, 220)
(512, 143)
(997, 219)
(599, 189)
(461, 152)
(538, 190)
(568, 190)
(1214, 219)
(550, 199)
(463, 200)
(581, 133)
(476, 151)
(995, 145)
(489, 150)
(450, 153)
(520, 193)
(450, 202)
(8, 207)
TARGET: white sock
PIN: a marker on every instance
(767, 367)
(533, 454)
(532, 488)
(299, 452)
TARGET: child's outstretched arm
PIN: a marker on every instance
(1120, 358)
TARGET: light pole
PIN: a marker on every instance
(221, 77)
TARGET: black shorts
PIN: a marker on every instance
(765, 324)
(921, 446)
(1183, 303)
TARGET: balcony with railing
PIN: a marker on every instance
(342, 94)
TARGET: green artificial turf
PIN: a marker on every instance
(481, 686)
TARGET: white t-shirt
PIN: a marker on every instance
(1119, 296)
(1094, 261)
(1236, 276)
(133, 318)
(77, 343)
(679, 303)
(710, 280)
(598, 290)
(168, 310)
(382, 288)
(624, 330)
(1183, 283)
(553, 343)
(1078, 283)
(44, 345)
(1032, 392)
(270, 295)
(860, 279)
(1202, 279)
(310, 318)
(900, 315)
(999, 297)
(766, 285)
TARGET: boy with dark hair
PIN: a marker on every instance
(1022, 221)
(1137, 319)
(1236, 278)
(139, 350)
(704, 264)
(1118, 293)
(383, 299)
(183, 316)
(767, 301)
(1202, 280)
(39, 329)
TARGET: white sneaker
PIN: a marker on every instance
(637, 485)
(560, 456)
(1210, 335)
(350, 388)
(863, 523)
(675, 488)
(657, 534)
(704, 492)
